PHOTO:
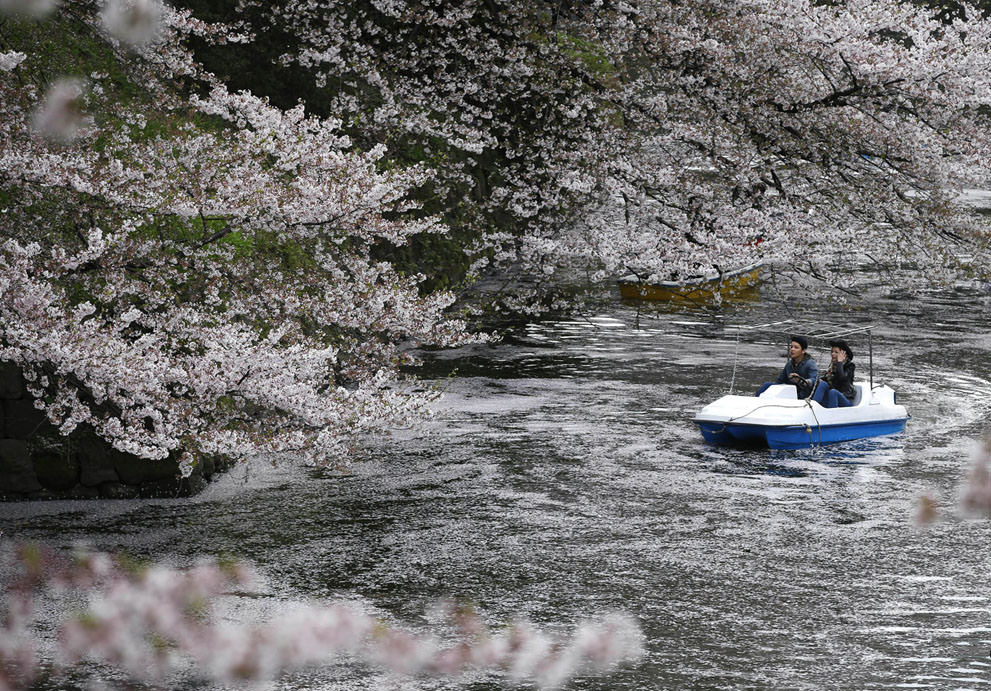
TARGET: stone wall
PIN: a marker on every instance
(36, 462)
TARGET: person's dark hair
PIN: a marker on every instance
(842, 345)
(800, 340)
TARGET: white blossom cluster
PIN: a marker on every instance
(151, 622)
(11, 59)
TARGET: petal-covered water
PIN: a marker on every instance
(562, 478)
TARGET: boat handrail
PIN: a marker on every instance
(845, 332)
(754, 327)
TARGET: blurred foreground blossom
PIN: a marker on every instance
(60, 116)
(976, 497)
(134, 22)
(28, 8)
(927, 510)
(150, 622)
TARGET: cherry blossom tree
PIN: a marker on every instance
(664, 137)
(192, 272)
(837, 131)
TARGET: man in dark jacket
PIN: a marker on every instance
(836, 390)
(800, 369)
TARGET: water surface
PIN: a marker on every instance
(562, 478)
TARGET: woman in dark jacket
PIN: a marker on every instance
(835, 388)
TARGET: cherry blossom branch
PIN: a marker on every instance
(150, 621)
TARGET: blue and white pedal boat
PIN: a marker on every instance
(780, 420)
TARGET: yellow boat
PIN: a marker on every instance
(739, 283)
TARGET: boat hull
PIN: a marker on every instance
(778, 420)
(795, 436)
(738, 283)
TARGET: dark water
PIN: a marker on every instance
(562, 478)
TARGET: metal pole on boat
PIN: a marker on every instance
(870, 347)
(735, 349)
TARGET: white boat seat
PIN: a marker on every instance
(858, 396)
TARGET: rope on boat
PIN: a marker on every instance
(764, 405)
(808, 402)
(815, 417)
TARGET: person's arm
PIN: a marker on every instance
(808, 371)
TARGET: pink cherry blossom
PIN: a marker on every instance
(61, 116)
(153, 621)
(29, 8)
(134, 22)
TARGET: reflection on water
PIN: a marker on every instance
(562, 477)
